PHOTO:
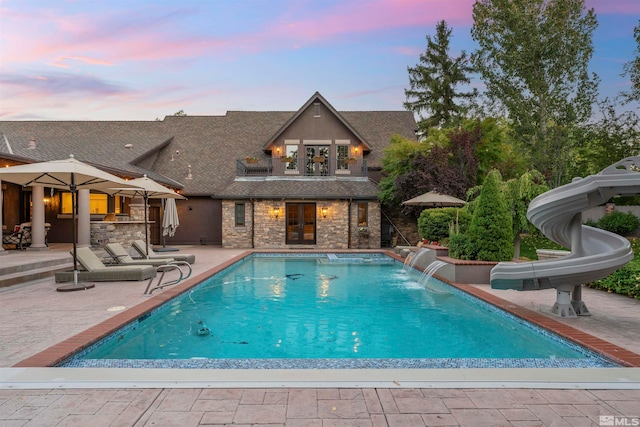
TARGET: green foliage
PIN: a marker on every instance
(397, 162)
(533, 57)
(491, 228)
(434, 224)
(632, 70)
(626, 280)
(534, 241)
(434, 83)
(461, 247)
(622, 223)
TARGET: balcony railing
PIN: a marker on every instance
(307, 167)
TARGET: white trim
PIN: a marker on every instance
(291, 141)
(316, 141)
(343, 142)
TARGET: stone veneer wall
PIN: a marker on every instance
(331, 232)
(104, 232)
(232, 236)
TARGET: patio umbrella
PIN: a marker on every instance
(146, 188)
(170, 219)
(170, 222)
(433, 199)
(69, 174)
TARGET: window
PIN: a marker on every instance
(117, 204)
(342, 152)
(363, 220)
(292, 151)
(239, 212)
(98, 203)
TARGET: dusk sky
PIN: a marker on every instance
(143, 59)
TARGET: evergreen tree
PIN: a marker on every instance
(434, 80)
(491, 229)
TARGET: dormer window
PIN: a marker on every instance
(316, 109)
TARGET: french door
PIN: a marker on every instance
(301, 223)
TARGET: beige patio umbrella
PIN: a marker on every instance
(146, 188)
(69, 174)
(433, 199)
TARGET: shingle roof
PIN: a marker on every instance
(209, 144)
(97, 143)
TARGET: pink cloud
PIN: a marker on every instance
(609, 7)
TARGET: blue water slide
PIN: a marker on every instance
(595, 253)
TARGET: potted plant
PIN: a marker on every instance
(351, 160)
(251, 159)
(318, 159)
(363, 231)
(286, 158)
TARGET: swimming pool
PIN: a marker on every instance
(330, 311)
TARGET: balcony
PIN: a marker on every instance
(317, 167)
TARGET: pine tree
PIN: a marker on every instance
(434, 80)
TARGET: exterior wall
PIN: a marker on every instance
(232, 236)
(370, 239)
(103, 232)
(332, 232)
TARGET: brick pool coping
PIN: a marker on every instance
(58, 353)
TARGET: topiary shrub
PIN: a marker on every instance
(433, 224)
(622, 223)
(491, 229)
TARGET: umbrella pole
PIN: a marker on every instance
(74, 211)
(146, 231)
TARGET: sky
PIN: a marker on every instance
(144, 59)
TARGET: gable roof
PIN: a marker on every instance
(315, 98)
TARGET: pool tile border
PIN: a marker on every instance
(62, 351)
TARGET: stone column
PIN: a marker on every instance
(84, 219)
(2, 251)
(37, 219)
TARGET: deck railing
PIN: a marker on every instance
(276, 167)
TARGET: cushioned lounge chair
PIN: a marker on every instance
(96, 271)
(122, 257)
(140, 246)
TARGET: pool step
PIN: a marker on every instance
(15, 274)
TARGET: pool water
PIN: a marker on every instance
(279, 307)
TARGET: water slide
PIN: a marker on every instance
(595, 253)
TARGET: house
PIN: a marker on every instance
(268, 179)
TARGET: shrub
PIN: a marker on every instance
(433, 224)
(625, 281)
(461, 247)
(491, 229)
(619, 222)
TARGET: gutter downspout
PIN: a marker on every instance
(349, 225)
(253, 223)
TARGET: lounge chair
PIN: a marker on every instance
(140, 246)
(96, 271)
(120, 256)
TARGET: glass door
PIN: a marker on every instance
(301, 223)
(317, 160)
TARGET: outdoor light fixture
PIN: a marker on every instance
(324, 211)
(276, 212)
(32, 144)
(189, 174)
(356, 150)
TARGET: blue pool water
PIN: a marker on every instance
(345, 311)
